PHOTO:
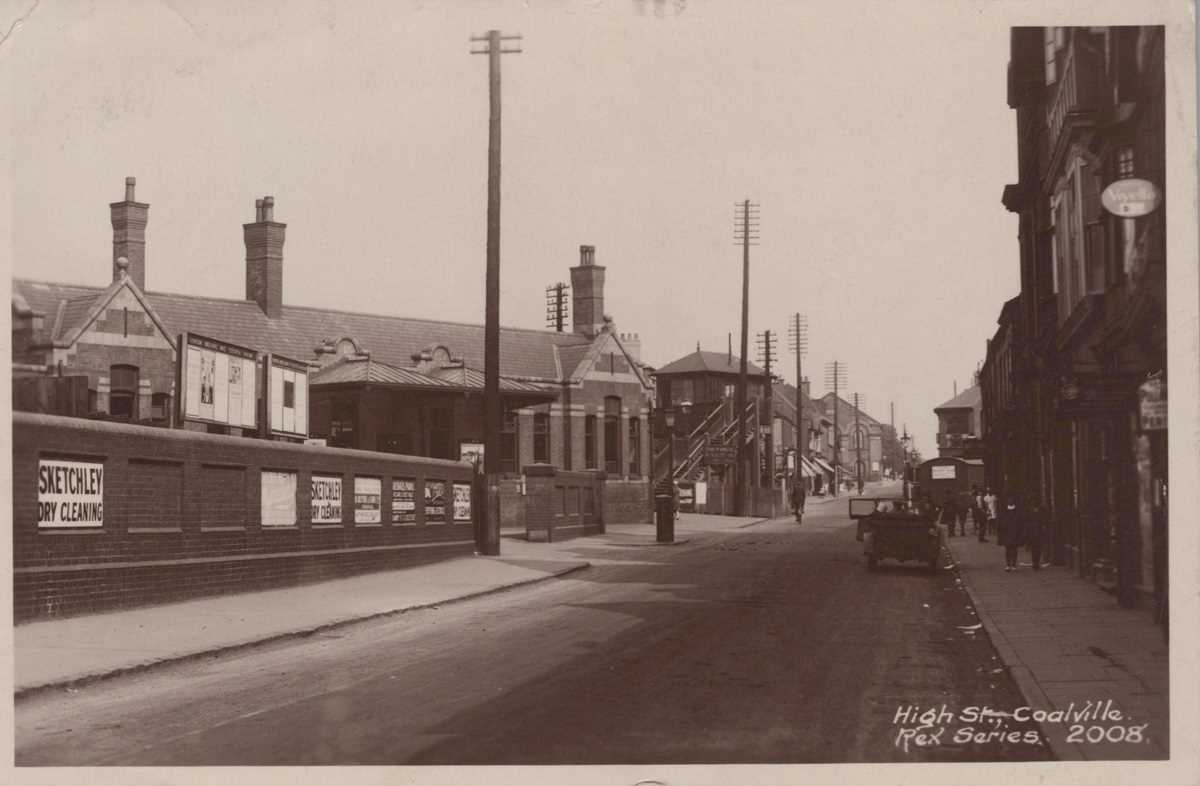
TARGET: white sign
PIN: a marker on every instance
(1152, 404)
(326, 499)
(219, 382)
(278, 499)
(470, 452)
(288, 413)
(1131, 198)
(462, 501)
(70, 493)
(367, 495)
(942, 472)
(404, 506)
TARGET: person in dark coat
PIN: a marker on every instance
(798, 497)
(1010, 531)
(950, 513)
(1035, 531)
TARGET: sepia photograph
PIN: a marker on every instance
(670, 391)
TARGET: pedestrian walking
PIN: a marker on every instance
(978, 515)
(950, 513)
(960, 510)
(798, 497)
(1010, 531)
(1036, 527)
(991, 510)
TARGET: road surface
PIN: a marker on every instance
(768, 644)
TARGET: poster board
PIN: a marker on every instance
(462, 502)
(326, 499)
(286, 384)
(368, 494)
(70, 493)
(404, 503)
(278, 498)
(435, 501)
(942, 472)
(216, 382)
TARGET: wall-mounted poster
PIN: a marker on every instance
(404, 502)
(462, 501)
(470, 452)
(218, 381)
(278, 498)
(367, 496)
(326, 499)
(435, 501)
(70, 493)
(287, 386)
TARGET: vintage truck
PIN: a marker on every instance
(892, 528)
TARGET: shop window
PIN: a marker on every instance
(612, 435)
(508, 443)
(541, 438)
(123, 387)
(635, 446)
(589, 442)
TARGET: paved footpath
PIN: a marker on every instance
(76, 650)
(1068, 643)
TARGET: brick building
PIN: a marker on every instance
(577, 400)
(861, 436)
(959, 425)
(1075, 378)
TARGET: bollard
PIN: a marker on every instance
(664, 515)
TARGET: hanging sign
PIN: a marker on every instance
(1131, 198)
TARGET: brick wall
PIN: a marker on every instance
(628, 501)
(182, 517)
(561, 505)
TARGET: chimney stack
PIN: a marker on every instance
(587, 294)
(129, 235)
(264, 258)
(633, 345)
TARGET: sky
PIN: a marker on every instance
(874, 136)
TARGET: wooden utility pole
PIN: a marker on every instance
(859, 468)
(766, 349)
(556, 306)
(492, 412)
(798, 341)
(835, 375)
(745, 232)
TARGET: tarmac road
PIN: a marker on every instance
(770, 644)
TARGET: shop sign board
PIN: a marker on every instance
(367, 495)
(326, 499)
(1131, 198)
(70, 493)
(470, 452)
(720, 454)
(218, 382)
(1152, 404)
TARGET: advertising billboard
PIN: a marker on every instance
(70, 493)
(217, 381)
(287, 392)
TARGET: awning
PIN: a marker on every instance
(820, 462)
(807, 469)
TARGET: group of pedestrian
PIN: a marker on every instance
(1021, 523)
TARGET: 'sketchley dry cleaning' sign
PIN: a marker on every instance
(70, 493)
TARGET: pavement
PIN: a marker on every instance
(74, 651)
(1067, 643)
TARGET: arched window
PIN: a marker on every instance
(123, 392)
(612, 435)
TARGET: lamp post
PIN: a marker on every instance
(905, 444)
(665, 504)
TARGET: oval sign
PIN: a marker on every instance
(1131, 198)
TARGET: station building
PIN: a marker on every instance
(574, 400)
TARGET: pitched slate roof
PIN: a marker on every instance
(711, 362)
(524, 354)
(364, 370)
(846, 412)
(970, 398)
(785, 404)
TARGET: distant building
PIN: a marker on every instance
(959, 425)
(861, 439)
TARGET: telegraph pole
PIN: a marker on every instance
(835, 376)
(492, 413)
(745, 231)
(766, 352)
(798, 343)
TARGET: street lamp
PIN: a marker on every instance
(665, 503)
(906, 444)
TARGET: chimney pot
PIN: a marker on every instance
(268, 208)
(129, 219)
(258, 210)
(130, 182)
(587, 255)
